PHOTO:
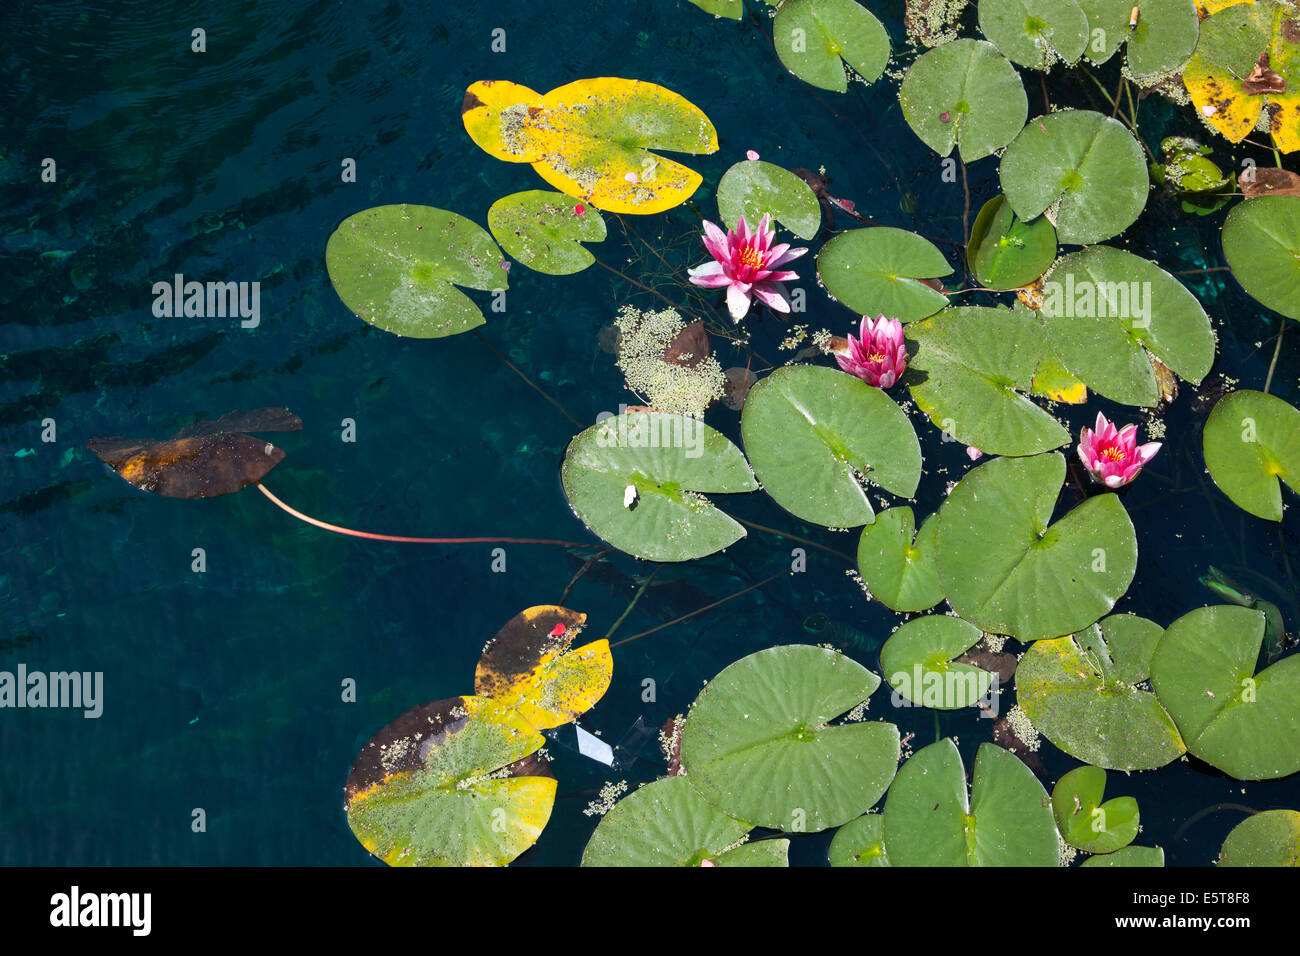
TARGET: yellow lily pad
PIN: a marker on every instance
(591, 139)
(528, 667)
(1235, 42)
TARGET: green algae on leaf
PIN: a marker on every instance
(818, 39)
(1252, 444)
(1006, 820)
(897, 563)
(450, 784)
(1006, 570)
(752, 187)
(530, 667)
(1083, 693)
(878, 270)
(919, 663)
(964, 94)
(591, 139)
(1245, 723)
(1085, 171)
(666, 823)
(638, 481)
(759, 745)
(544, 230)
(397, 267)
(814, 435)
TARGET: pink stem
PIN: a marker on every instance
(407, 540)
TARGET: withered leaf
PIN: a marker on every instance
(689, 347)
(202, 466)
(1262, 79)
(258, 420)
(1268, 181)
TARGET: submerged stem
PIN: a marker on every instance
(707, 607)
(403, 539)
(1277, 350)
(631, 604)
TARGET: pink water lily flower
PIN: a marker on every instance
(746, 264)
(1113, 457)
(879, 357)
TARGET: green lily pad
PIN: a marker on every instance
(877, 270)
(1081, 692)
(543, 230)
(1164, 39)
(1129, 856)
(731, 9)
(753, 187)
(428, 789)
(966, 94)
(1005, 570)
(1104, 308)
(1035, 33)
(665, 823)
(1006, 252)
(1271, 838)
(816, 39)
(813, 434)
(968, 373)
(1084, 820)
(1007, 820)
(398, 266)
(670, 462)
(758, 743)
(917, 661)
(769, 852)
(1261, 241)
(897, 564)
(1083, 170)
(1252, 439)
(860, 842)
(1246, 724)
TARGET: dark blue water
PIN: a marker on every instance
(223, 688)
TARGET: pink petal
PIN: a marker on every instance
(772, 295)
(738, 298)
(751, 155)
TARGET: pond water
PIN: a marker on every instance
(222, 689)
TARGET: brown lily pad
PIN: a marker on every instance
(1268, 181)
(203, 466)
(258, 420)
(737, 385)
(689, 347)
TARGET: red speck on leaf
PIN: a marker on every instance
(579, 209)
(558, 631)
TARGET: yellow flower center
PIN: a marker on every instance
(1113, 454)
(876, 357)
(749, 256)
